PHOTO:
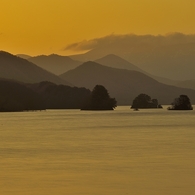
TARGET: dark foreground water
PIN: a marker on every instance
(121, 152)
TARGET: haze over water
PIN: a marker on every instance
(146, 152)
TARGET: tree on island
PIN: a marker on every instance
(145, 101)
(181, 103)
(100, 100)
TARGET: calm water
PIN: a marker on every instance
(121, 152)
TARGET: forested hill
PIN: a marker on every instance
(16, 96)
(60, 96)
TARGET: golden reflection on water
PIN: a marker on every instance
(150, 152)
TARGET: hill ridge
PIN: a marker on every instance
(55, 63)
(16, 68)
(124, 85)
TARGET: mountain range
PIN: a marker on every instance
(115, 61)
(16, 68)
(60, 64)
(123, 84)
(171, 56)
(55, 64)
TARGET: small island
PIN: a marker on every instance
(145, 101)
(181, 103)
(100, 100)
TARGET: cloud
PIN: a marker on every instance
(130, 40)
(91, 44)
(81, 46)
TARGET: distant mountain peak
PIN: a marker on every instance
(111, 56)
(114, 61)
(55, 63)
(91, 64)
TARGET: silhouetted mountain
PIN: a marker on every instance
(16, 68)
(115, 61)
(55, 63)
(171, 56)
(60, 96)
(124, 85)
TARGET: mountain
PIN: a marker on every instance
(115, 61)
(190, 84)
(55, 63)
(170, 56)
(16, 68)
(124, 85)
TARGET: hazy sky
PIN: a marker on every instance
(48, 26)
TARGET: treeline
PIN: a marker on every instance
(16, 96)
(60, 96)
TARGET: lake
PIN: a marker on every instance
(120, 152)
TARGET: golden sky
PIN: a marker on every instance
(47, 26)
